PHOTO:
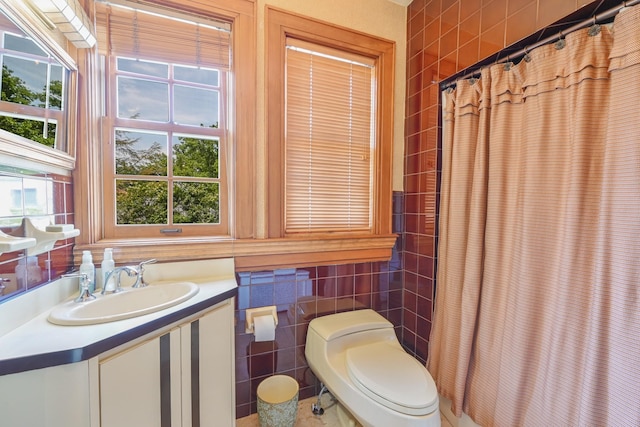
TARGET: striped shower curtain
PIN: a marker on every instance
(537, 318)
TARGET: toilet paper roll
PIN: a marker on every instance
(264, 328)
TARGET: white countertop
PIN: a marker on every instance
(37, 337)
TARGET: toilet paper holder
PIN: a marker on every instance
(251, 313)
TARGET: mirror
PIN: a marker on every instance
(38, 109)
(41, 198)
(37, 105)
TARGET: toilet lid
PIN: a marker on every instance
(393, 378)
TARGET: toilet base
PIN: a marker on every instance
(345, 418)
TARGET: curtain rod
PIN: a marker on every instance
(591, 21)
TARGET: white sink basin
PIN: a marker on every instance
(123, 305)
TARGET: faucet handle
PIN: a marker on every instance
(140, 283)
(85, 293)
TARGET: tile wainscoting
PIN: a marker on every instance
(301, 294)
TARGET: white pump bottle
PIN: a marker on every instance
(107, 267)
(89, 269)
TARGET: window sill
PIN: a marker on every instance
(250, 254)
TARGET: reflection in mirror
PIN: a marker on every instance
(38, 109)
(45, 199)
(33, 84)
(32, 197)
(38, 93)
(11, 212)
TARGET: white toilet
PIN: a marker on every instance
(358, 358)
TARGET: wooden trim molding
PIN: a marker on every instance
(89, 202)
(250, 254)
(281, 24)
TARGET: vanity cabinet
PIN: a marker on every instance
(173, 367)
(181, 377)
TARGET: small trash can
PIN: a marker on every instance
(277, 401)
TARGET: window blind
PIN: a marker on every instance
(329, 139)
(134, 33)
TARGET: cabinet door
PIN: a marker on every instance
(140, 387)
(209, 369)
(183, 378)
(49, 397)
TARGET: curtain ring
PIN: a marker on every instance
(506, 65)
(594, 29)
(526, 57)
(561, 43)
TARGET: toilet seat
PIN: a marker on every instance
(393, 378)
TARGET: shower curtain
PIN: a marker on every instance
(537, 318)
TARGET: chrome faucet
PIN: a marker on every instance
(140, 283)
(85, 293)
(131, 272)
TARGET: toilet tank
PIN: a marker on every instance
(334, 333)
(338, 325)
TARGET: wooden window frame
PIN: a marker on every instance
(253, 250)
(280, 25)
(111, 122)
(89, 172)
(330, 107)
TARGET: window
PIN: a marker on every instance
(330, 138)
(331, 152)
(252, 178)
(165, 133)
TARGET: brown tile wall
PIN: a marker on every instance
(59, 202)
(445, 37)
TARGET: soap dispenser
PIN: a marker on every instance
(107, 266)
(89, 269)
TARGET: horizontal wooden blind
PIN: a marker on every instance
(329, 140)
(137, 33)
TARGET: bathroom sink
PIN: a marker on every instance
(123, 305)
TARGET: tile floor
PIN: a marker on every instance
(306, 418)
